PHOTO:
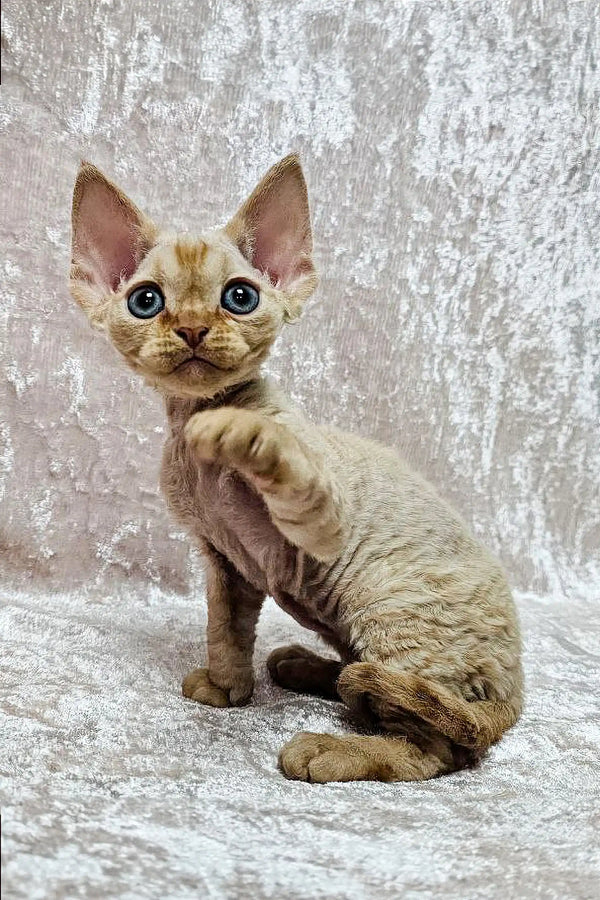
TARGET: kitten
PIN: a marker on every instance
(335, 528)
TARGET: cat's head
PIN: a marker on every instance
(194, 315)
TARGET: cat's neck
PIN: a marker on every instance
(258, 393)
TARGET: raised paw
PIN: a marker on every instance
(320, 758)
(239, 438)
(197, 686)
(298, 669)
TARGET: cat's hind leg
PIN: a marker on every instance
(328, 757)
(427, 730)
(298, 669)
(392, 695)
(408, 750)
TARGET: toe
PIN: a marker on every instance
(240, 694)
(293, 651)
(295, 757)
(198, 686)
(336, 765)
(189, 683)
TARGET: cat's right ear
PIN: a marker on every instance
(110, 238)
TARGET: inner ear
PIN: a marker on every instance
(110, 234)
(272, 228)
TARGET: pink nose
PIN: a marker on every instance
(192, 336)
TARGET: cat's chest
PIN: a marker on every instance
(216, 504)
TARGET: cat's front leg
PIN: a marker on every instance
(303, 499)
(233, 610)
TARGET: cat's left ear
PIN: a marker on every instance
(272, 230)
(110, 238)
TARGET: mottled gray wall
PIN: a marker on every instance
(452, 153)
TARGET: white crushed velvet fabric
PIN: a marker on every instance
(452, 156)
(112, 785)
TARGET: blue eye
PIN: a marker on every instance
(239, 298)
(146, 302)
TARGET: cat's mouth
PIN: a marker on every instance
(195, 364)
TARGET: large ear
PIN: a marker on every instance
(272, 230)
(110, 239)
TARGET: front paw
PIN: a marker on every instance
(236, 437)
(198, 686)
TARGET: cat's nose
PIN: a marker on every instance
(192, 336)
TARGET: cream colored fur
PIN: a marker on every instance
(337, 529)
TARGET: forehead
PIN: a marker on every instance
(184, 262)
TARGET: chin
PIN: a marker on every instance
(196, 382)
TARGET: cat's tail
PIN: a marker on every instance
(476, 725)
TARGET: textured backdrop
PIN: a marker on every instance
(452, 156)
(452, 152)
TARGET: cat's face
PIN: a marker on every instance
(187, 319)
(193, 314)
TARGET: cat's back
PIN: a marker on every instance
(396, 510)
(379, 484)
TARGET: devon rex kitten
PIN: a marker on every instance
(336, 528)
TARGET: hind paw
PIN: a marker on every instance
(320, 758)
(298, 669)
